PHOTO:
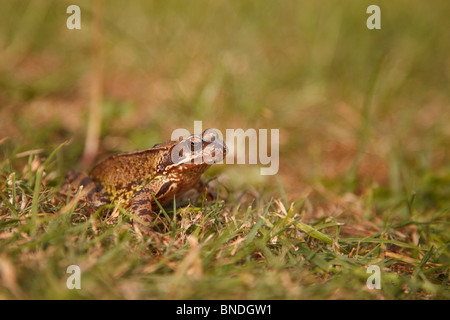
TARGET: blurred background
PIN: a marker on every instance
(356, 108)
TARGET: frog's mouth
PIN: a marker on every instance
(214, 152)
(206, 153)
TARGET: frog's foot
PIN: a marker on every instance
(93, 194)
(143, 224)
(141, 209)
(205, 190)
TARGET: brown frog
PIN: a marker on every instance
(134, 180)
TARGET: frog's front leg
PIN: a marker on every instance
(143, 204)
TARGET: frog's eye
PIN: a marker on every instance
(194, 143)
(210, 135)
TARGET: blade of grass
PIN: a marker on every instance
(14, 194)
(397, 243)
(251, 235)
(162, 210)
(35, 201)
(314, 233)
(50, 157)
(424, 260)
(10, 206)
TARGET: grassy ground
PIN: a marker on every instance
(364, 173)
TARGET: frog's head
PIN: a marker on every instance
(194, 154)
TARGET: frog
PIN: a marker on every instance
(142, 181)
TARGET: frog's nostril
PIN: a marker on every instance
(224, 148)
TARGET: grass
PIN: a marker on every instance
(364, 161)
(225, 250)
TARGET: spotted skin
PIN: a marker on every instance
(135, 179)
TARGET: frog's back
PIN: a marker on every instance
(125, 170)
